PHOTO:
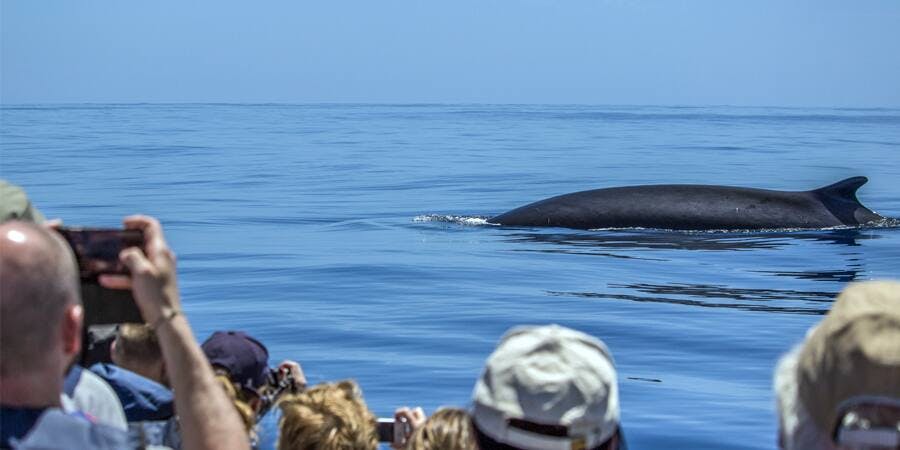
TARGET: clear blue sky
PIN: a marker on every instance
(667, 52)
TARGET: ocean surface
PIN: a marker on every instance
(347, 237)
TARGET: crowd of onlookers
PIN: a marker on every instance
(543, 387)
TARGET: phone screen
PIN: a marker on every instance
(97, 249)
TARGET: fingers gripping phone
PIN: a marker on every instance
(97, 252)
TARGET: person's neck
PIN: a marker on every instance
(36, 390)
(148, 371)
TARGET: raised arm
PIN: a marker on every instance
(208, 419)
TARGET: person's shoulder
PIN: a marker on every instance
(56, 429)
(114, 375)
(135, 384)
(15, 422)
(95, 397)
(141, 397)
(92, 387)
(104, 370)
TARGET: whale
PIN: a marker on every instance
(697, 207)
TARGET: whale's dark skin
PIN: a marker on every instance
(697, 207)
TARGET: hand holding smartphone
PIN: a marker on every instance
(397, 430)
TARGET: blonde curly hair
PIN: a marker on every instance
(329, 416)
(241, 404)
(446, 429)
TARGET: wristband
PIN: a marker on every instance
(165, 318)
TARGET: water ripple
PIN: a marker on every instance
(747, 299)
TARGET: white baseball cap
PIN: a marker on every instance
(548, 387)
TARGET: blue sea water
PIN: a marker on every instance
(321, 230)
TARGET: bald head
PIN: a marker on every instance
(38, 284)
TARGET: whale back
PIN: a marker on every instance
(697, 207)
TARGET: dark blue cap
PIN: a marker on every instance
(245, 358)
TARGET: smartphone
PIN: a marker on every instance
(389, 431)
(97, 249)
(385, 430)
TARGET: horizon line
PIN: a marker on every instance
(412, 104)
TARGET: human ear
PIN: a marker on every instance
(112, 351)
(71, 329)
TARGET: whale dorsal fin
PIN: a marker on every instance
(845, 189)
